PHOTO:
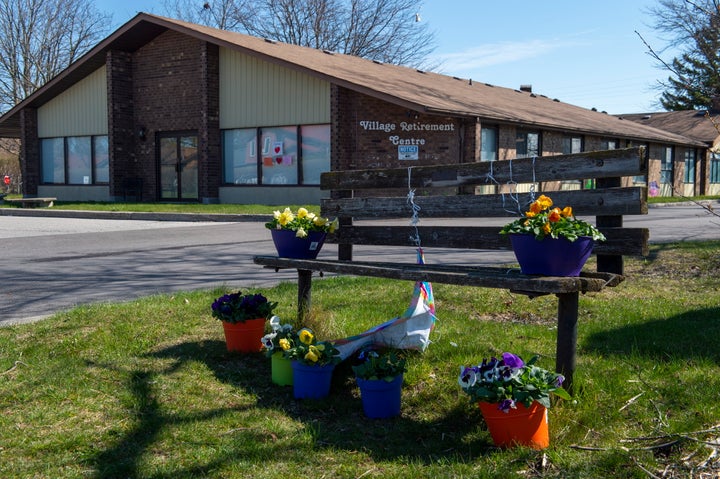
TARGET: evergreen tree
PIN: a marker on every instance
(694, 27)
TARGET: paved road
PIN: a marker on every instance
(52, 264)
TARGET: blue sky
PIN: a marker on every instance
(583, 52)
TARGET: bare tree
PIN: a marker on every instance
(226, 15)
(382, 30)
(40, 38)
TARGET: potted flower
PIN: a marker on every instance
(243, 317)
(379, 375)
(549, 240)
(313, 363)
(299, 234)
(276, 343)
(514, 397)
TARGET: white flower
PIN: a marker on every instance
(267, 340)
(275, 323)
(467, 377)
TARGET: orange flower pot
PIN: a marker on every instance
(244, 337)
(518, 427)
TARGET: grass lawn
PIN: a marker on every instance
(146, 389)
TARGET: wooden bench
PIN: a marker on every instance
(32, 202)
(355, 195)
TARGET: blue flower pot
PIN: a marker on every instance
(290, 246)
(551, 257)
(311, 382)
(380, 399)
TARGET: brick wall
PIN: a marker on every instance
(29, 151)
(367, 132)
(210, 167)
(168, 93)
(121, 131)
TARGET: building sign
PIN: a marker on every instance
(407, 136)
(408, 152)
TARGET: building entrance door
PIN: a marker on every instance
(178, 160)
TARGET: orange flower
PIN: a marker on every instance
(567, 212)
(554, 215)
(535, 208)
(544, 201)
(547, 228)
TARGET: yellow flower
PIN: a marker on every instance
(301, 233)
(306, 336)
(547, 228)
(319, 221)
(302, 213)
(312, 355)
(334, 226)
(567, 212)
(284, 344)
(285, 217)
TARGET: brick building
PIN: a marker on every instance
(164, 110)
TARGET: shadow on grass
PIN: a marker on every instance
(692, 333)
(336, 422)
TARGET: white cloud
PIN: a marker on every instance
(499, 53)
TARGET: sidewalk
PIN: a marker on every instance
(132, 215)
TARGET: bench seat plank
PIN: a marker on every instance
(488, 277)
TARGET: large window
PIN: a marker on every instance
(715, 168)
(75, 160)
(689, 166)
(315, 153)
(79, 160)
(572, 144)
(279, 155)
(101, 159)
(488, 144)
(53, 160)
(609, 144)
(288, 155)
(666, 166)
(527, 144)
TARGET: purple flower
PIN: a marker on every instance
(512, 361)
(559, 380)
(506, 405)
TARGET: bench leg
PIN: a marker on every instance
(304, 287)
(567, 337)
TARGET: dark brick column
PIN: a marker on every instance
(121, 132)
(210, 157)
(29, 151)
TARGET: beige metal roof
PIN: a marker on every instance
(422, 91)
